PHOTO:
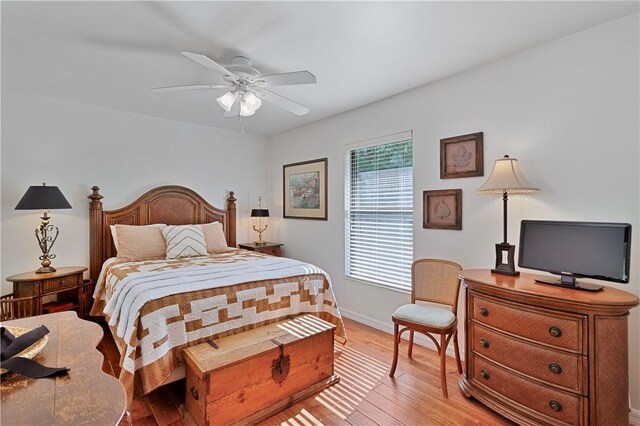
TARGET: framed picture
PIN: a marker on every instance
(305, 189)
(442, 209)
(461, 156)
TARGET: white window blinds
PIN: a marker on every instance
(379, 211)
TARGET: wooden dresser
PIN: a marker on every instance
(540, 354)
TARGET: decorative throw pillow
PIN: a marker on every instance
(140, 242)
(184, 241)
(214, 236)
(114, 234)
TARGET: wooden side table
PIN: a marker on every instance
(274, 249)
(86, 395)
(66, 283)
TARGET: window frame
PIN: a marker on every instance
(404, 287)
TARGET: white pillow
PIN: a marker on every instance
(184, 241)
(214, 236)
(140, 242)
(114, 234)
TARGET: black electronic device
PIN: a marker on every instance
(576, 250)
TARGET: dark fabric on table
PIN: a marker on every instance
(11, 346)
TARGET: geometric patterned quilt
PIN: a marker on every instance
(156, 308)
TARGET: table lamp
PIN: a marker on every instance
(44, 198)
(258, 225)
(506, 178)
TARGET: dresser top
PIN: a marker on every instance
(525, 286)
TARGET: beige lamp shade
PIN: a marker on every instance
(506, 176)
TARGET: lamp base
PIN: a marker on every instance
(260, 243)
(45, 270)
(505, 264)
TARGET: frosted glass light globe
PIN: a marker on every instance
(227, 100)
(252, 101)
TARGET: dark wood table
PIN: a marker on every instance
(86, 395)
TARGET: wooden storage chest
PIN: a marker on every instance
(247, 377)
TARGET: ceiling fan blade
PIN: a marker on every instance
(235, 109)
(189, 87)
(288, 78)
(209, 63)
(282, 102)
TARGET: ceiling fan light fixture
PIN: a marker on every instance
(245, 111)
(252, 101)
(227, 100)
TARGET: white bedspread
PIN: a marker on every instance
(130, 294)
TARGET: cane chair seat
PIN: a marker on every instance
(430, 316)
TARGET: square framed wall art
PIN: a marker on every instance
(442, 209)
(462, 156)
(305, 190)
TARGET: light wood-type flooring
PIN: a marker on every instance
(365, 395)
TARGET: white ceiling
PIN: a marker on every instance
(111, 53)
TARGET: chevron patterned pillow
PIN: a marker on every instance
(184, 241)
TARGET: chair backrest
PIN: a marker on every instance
(437, 281)
(13, 308)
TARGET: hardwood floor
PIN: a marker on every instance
(365, 395)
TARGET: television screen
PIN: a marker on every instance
(576, 249)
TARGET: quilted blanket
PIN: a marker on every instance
(156, 308)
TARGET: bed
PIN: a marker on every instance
(157, 307)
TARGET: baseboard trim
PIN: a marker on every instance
(387, 327)
(634, 417)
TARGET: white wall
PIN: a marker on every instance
(76, 146)
(568, 110)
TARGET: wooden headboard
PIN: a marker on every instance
(172, 205)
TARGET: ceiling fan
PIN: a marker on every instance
(246, 86)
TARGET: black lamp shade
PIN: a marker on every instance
(43, 198)
(259, 212)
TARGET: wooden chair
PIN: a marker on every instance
(435, 281)
(18, 307)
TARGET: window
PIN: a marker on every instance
(379, 211)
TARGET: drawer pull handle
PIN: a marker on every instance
(484, 374)
(555, 368)
(555, 332)
(555, 405)
(484, 312)
(484, 343)
(194, 392)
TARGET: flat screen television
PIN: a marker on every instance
(576, 250)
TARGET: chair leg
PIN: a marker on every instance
(443, 364)
(410, 351)
(457, 351)
(396, 339)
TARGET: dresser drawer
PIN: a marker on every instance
(556, 405)
(549, 365)
(552, 328)
(54, 284)
(273, 251)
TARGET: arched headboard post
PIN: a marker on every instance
(171, 205)
(95, 233)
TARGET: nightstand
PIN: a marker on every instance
(274, 249)
(65, 283)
